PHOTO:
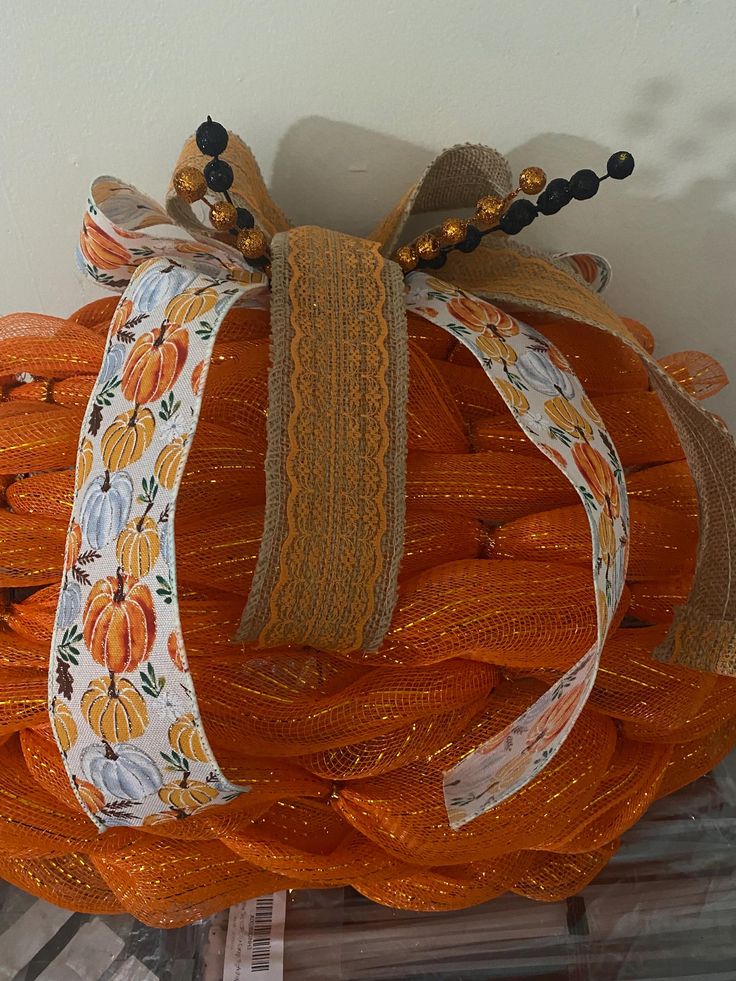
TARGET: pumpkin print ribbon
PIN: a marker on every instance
(547, 400)
(115, 240)
(121, 697)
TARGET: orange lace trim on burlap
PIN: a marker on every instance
(327, 571)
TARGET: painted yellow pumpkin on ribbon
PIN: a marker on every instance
(138, 547)
(64, 724)
(513, 395)
(168, 460)
(127, 438)
(606, 539)
(496, 349)
(84, 463)
(187, 795)
(191, 304)
(567, 418)
(115, 710)
(186, 738)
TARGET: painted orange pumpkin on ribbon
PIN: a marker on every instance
(99, 248)
(168, 460)
(127, 438)
(121, 316)
(163, 818)
(555, 454)
(92, 797)
(115, 709)
(119, 623)
(137, 547)
(197, 376)
(599, 476)
(567, 418)
(154, 363)
(480, 316)
(175, 652)
(544, 730)
(558, 359)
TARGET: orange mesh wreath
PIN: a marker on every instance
(345, 754)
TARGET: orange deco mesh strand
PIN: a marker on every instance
(346, 754)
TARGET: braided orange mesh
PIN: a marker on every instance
(346, 754)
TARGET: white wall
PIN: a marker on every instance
(344, 101)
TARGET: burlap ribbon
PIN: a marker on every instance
(328, 565)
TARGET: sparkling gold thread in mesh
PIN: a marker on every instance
(327, 571)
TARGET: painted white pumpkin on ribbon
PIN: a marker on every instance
(112, 365)
(538, 372)
(70, 605)
(121, 770)
(106, 508)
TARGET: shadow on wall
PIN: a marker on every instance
(670, 238)
(342, 176)
(670, 241)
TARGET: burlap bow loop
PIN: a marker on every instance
(455, 179)
(248, 189)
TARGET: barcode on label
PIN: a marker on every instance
(260, 958)
(255, 939)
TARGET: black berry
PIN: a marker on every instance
(245, 218)
(584, 184)
(219, 175)
(555, 196)
(620, 165)
(471, 240)
(519, 215)
(211, 138)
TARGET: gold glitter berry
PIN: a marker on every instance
(251, 243)
(407, 257)
(190, 184)
(452, 231)
(532, 180)
(223, 216)
(427, 246)
(489, 209)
